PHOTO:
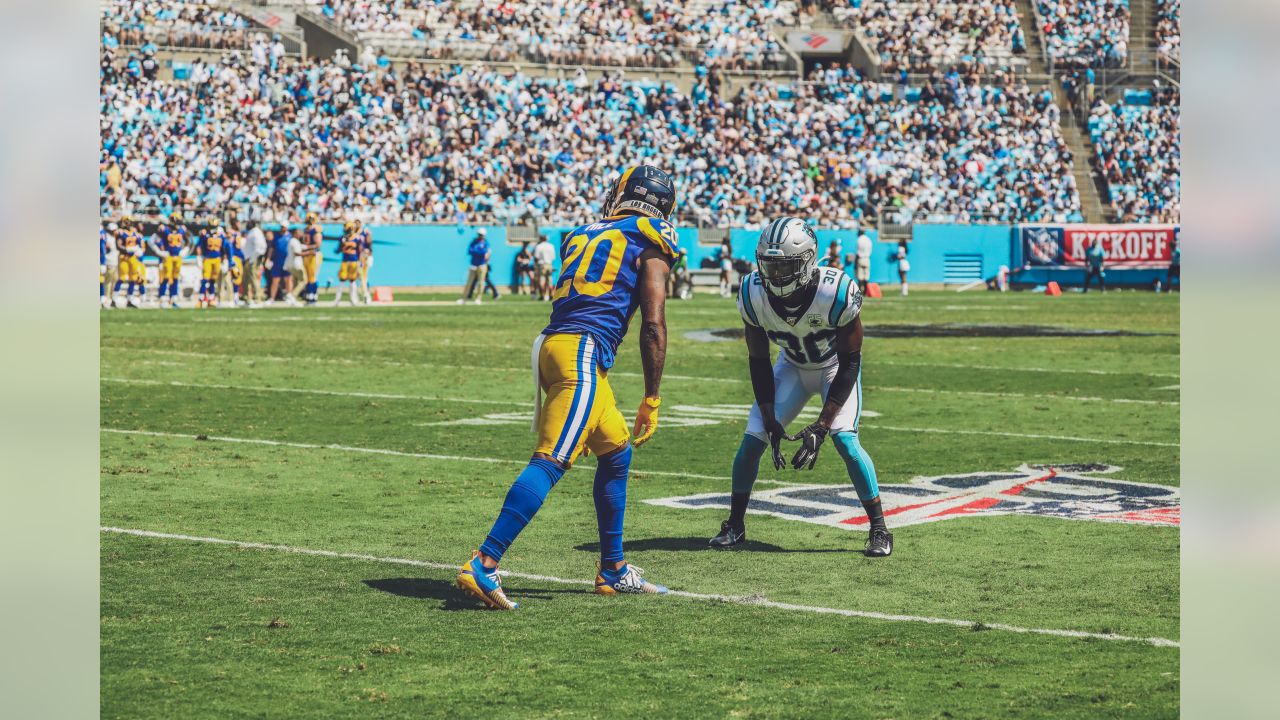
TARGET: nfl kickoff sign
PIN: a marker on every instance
(1132, 246)
(1069, 492)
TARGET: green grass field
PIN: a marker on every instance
(354, 457)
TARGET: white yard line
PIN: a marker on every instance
(749, 601)
(396, 453)
(398, 363)
(868, 389)
(502, 461)
(305, 391)
(1068, 438)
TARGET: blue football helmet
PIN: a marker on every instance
(643, 190)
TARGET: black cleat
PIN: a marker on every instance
(880, 544)
(729, 536)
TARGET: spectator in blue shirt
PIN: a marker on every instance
(478, 251)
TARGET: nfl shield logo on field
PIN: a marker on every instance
(1069, 492)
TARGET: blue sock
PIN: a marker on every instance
(164, 288)
(861, 471)
(116, 289)
(610, 493)
(523, 500)
(746, 464)
(133, 288)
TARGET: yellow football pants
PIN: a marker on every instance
(579, 409)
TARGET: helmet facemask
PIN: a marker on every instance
(784, 275)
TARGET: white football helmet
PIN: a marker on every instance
(787, 255)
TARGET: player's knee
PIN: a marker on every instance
(752, 448)
(618, 460)
(846, 444)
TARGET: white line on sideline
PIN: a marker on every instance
(750, 601)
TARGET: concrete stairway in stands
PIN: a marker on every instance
(1035, 44)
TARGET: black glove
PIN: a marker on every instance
(776, 434)
(811, 439)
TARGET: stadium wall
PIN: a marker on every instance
(423, 255)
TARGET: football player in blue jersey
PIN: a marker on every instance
(814, 314)
(609, 269)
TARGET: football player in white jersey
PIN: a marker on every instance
(812, 313)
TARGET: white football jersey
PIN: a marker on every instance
(810, 342)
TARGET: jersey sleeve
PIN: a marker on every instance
(847, 303)
(746, 306)
(661, 233)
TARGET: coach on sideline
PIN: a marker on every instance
(255, 256)
(478, 271)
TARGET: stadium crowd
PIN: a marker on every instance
(443, 144)
(173, 23)
(1169, 29)
(921, 36)
(1138, 154)
(729, 33)
(1085, 33)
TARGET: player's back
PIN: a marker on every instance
(596, 292)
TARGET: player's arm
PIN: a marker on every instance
(652, 289)
(762, 386)
(848, 346)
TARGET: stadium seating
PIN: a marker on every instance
(920, 36)
(430, 144)
(173, 23)
(1085, 33)
(1138, 155)
(729, 33)
(1169, 29)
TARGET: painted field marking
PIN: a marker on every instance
(399, 363)
(304, 391)
(749, 601)
(869, 389)
(382, 451)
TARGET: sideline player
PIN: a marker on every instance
(349, 247)
(610, 268)
(366, 260)
(210, 249)
(105, 244)
(131, 270)
(311, 258)
(172, 250)
(232, 267)
(813, 314)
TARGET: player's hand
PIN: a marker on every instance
(776, 434)
(811, 439)
(646, 421)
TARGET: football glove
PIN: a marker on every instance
(646, 421)
(776, 434)
(810, 439)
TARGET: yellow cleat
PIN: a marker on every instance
(483, 584)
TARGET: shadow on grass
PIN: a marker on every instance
(450, 597)
(690, 544)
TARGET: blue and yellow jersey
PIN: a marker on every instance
(350, 246)
(211, 244)
(233, 248)
(172, 240)
(366, 241)
(596, 294)
(127, 240)
(311, 236)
